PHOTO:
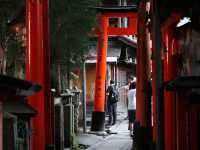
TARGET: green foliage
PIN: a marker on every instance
(13, 46)
(9, 11)
(70, 23)
(53, 76)
(137, 1)
(14, 52)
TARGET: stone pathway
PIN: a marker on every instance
(120, 140)
(118, 137)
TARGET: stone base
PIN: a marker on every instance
(98, 121)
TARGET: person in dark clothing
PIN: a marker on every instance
(111, 103)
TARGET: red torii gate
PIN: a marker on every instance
(169, 73)
(38, 70)
(130, 12)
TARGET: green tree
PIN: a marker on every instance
(70, 23)
(10, 45)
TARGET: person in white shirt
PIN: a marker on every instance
(131, 79)
(131, 106)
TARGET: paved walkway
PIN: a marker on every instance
(118, 138)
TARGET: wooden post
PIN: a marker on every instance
(168, 98)
(49, 103)
(98, 116)
(154, 99)
(37, 70)
(143, 98)
(169, 73)
(159, 75)
(1, 124)
(84, 97)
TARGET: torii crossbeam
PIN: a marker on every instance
(129, 12)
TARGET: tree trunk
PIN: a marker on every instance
(4, 63)
(68, 79)
(59, 85)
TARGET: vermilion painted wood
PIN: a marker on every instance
(101, 66)
(182, 134)
(49, 105)
(105, 31)
(169, 74)
(194, 134)
(132, 26)
(174, 72)
(154, 100)
(142, 67)
(1, 124)
(168, 98)
(35, 69)
(171, 102)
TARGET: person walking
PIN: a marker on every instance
(131, 79)
(131, 106)
(112, 99)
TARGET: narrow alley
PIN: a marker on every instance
(76, 74)
(116, 137)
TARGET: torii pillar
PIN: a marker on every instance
(169, 73)
(98, 116)
(38, 70)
